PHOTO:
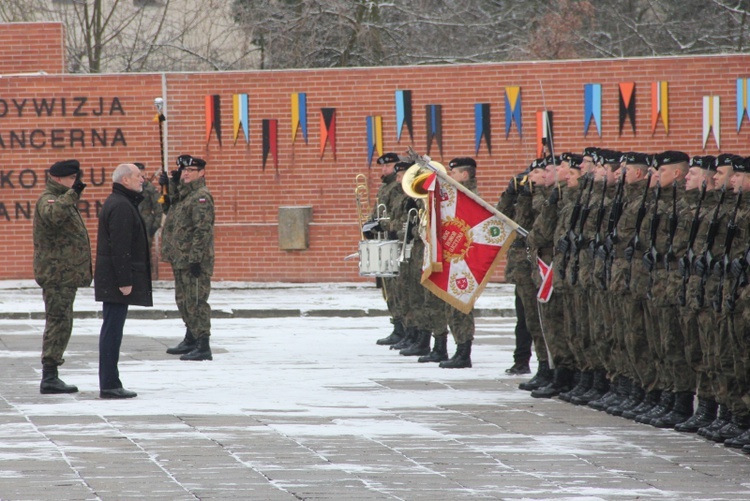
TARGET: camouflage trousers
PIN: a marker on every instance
(554, 332)
(694, 352)
(709, 332)
(527, 292)
(461, 324)
(576, 314)
(58, 325)
(390, 295)
(678, 374)
(738, 381)
(600, 331)
(636, 341)
(191, 295)
(426, 310)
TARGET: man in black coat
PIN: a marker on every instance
(123, 271)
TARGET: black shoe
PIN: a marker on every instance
(723, 417)
(461, 359)
(681, 412)
(735, 429)
(395, 336)
(518, 369)
(412, 333)
(439, 350)
(664, 406)
(599, 388)
(636, 396)
(117, 393)
(543, 377)
(561, 382)
(624, 388)
(740, 441)
(703, 417)
(585, 382)
(51, 384)
(650, 401)
(420, 347)
(201, 351)
(185, 346)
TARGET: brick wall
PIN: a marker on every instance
(247, 197)
(32, 47)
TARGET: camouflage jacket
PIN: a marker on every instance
(150, 209)
(188, 234)
(62, 250)
(385, 192)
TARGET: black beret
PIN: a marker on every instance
(565, 156)
(462, 162)
(591, 151)
(65, 168)
(552, 160)
(199, 163)
(742, 166)
(575, 161)
(727, 159)
(388, 158)
(538, 163)
(191, 161)
(706, 162)
(611, 157)
(636, 158)
(139, 165)
(402, 166)
(670, 157)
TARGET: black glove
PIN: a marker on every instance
(700, 266)
(176, 174)
(512, 190)
(737, 267)
(683, 266)
(628, 252)
(371, 228)
(78, 186)
(163, 179)
(601, 252)
(554, 197)
(527, 189)
(166, 205)
(563, 245)
(195, 269)
(648, 260)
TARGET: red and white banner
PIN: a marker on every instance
(465, 238)
(546, 272)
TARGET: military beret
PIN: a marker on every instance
(575, 161)
(538, 163)
(388, 158)
(706, 162)
(552, 160)
(611, 157)
(670, 157)
(139, 165)
(462, 162)
(65, 168)
(402, 166)
(565, 156)
(191, 161)
(727, 159)
(590, 151)
(740, 166)
(636, 158)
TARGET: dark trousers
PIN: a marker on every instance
(110, 339)
(522, 353)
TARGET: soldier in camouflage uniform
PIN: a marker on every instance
(150, 208)
(388, 189)
(188, 245)
(62, 263)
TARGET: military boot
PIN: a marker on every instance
(439, 350)
(52, 384)
(519, 369)
(666, 402)
(636, 396)
(410, 337)
(741, 440)
(622, 395)
(735, 428)
(202, 351)
(585, 382)
(398, 333)
(681, 412)
(602, 402)
(649, 402)
(704, 415)
(599, 386)
(723, 416)
(420, 347)
(461, 359)
(561, 382)
(185, 346)
(543, 377)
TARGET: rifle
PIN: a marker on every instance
(566, 240)
(651, 256)
(686, 262)
(611, 239)
(577, 239)
(740, 279)
(594, 244)
(707, 258)
(635, 241)
(723, 265)
(669, 256)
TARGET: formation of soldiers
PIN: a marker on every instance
(650, 306)
(416, 313)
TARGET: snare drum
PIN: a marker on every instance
(379, 258)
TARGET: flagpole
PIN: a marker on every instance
(424, 162)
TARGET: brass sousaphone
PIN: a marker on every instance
(415, 177)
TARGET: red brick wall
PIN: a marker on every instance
(32, 47)
(247, 197)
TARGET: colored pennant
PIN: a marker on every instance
(627, 104)
(240, 117)
(711, 119)
(403, 113)
(270, 141)
(213, 117)
(434, 121)
(299, 115)
(659, 105)
(482, 127)
(592, 104)
(742, 101)
(544, 135)
(512, 109)
(374, 137)
(328, 130)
